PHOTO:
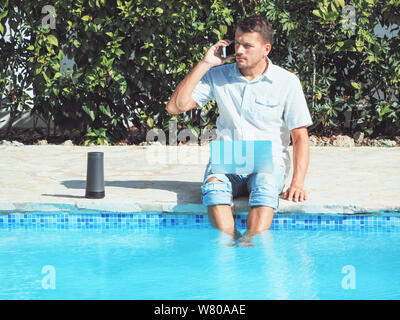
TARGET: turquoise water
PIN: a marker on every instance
(197, 263)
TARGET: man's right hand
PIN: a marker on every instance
(213, 56)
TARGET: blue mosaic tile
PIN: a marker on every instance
(141, 220)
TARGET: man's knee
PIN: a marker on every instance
(215, 191)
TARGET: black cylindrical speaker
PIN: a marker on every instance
(95, 175)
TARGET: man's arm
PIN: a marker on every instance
(301, 159)
(181, 100)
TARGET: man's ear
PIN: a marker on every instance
(267, 48)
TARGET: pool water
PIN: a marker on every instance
(196, 262)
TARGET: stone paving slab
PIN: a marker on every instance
(52, 178)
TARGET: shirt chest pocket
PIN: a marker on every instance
(265, 108)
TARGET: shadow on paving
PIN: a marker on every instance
(187, 192)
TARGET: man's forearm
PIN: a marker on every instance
(186, 87)
(301, 159)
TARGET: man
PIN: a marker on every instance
(257, 100)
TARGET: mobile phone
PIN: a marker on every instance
(228, 50)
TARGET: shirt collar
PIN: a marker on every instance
(267, 75)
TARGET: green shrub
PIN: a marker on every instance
(130, 55)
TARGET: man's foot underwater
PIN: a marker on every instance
(240, 241)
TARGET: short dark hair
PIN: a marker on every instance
(257, 24)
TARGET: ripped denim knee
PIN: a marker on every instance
(214, 193)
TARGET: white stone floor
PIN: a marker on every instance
(168, 179)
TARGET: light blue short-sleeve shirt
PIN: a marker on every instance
(265, 108)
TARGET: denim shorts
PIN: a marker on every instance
(262, 188)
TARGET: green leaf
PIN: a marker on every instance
(359, 45)
(341, 3)
(89, 112)
(223, 29)
(46, 78)
(218, 33)
(105, 110)
(2, 30)
(119, 52)
(356, 85)
(317, 13)
(85, 18)
(52, 39)
(56, 91)
(76, 75)
(123, 87)
(150, 122)
(369, 130)
(3, 14)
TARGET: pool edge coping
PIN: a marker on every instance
(175, 208)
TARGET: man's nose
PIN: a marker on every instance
(239, 50)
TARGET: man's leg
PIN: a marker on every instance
(221, 217)
(264, 191)
(259, 219)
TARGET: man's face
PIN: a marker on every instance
(250, 48)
